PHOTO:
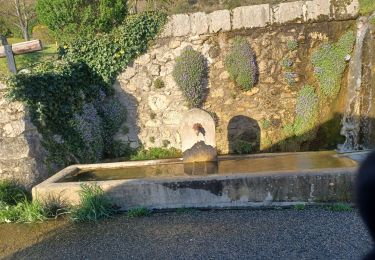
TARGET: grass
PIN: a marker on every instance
(366, 6)
(340, 207)
(156, 153)
(94, 205)
(138, 212)
(300, 207)
(27, 60)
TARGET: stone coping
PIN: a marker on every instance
(257, 16)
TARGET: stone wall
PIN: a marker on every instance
(21, 156)
(154, 114)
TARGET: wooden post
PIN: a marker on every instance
(10, 59)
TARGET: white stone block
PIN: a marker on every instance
(251, 16)
(219, 21)
(287, 12)
(316, 9)
(347, 11)
(167, 30)
(180, 25)
(199, 23)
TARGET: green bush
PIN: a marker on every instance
(94, 205)
(292, 45)
(42, 33)
(241, 64)
(11, 193)
(366, 6)
(108, 54)
(242, 147)
(190, 73)
(156, 153)
(329, 64)
(340, 207)
(69, 19)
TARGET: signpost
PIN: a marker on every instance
(8, 51)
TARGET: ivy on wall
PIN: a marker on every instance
(71, 100)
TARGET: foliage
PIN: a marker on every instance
(340, 207)
(138, 212)
(241, 64)
(156, 153)
(329, 64)
(190, 73)
(307, 109)
(42, 33)
(108, 54)
(300, 207)
(94, 205)
(69, 19)
(72, 109)
(11, 193)
(159, 83)
(265, 124)
(366, 6)
(242, 147)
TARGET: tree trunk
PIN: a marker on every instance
(25, 33)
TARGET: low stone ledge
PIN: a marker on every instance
(199, 23)
(287, 12)
(180, 25)
(318, 10)
(219, 21)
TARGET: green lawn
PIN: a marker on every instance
(28, 60)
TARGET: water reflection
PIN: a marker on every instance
(281, 162)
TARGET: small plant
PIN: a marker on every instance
(265, 124)
(292, 45)
(152, 115)
(299, 207)
(156, 153)
(138, 212)
(159, 83)
(184, 210)
(340, 207)
(94, 205)
(329, 62)
(307, 110)
(11, 193)
(190, 73)
(152, 139)
(290, 78)
(166, 143)
(287, 63)
(242, 147)
(241, 64)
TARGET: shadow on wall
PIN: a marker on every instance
(243, 135)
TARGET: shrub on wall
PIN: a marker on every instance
(190, 72)
(241, 64)
(329, 62)
(307, 109)
(366, 6)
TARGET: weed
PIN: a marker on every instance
(292, 45)
(299, 207)
(11, 193)
(94, 205)
(366, 6)
(242, 147)
(152, 139)
(139, 212)
(166, 143)
(340, 207)
(156, 153)
(159, 83)
(152, 115)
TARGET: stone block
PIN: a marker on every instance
(347, 10)
(14, 148)
(287, 12)
(167, 30)
(199, 23)
(219, 21)
(251, 16)
(318, 10)
(180, 25)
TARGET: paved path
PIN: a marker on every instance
(271, 234)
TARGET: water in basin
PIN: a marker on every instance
(225, 166)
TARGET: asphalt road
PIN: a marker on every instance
(241, 234)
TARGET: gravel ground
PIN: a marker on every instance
(252, 234)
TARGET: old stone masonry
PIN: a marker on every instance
(154, 114)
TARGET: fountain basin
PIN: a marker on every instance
(235, 181)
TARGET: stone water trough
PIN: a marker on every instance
(203, 180)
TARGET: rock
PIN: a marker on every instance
(173, 44)
(317, 10)
(252, 92)
(143, 60)
(199, 23)
(251, 16)
(180, 25)
(219, 21)
(287, 12)
(154, 70)
(129, 73)
(158, 102)
(214, 52)
(224, 75)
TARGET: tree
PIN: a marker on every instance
(69, 19)
(20, 13)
